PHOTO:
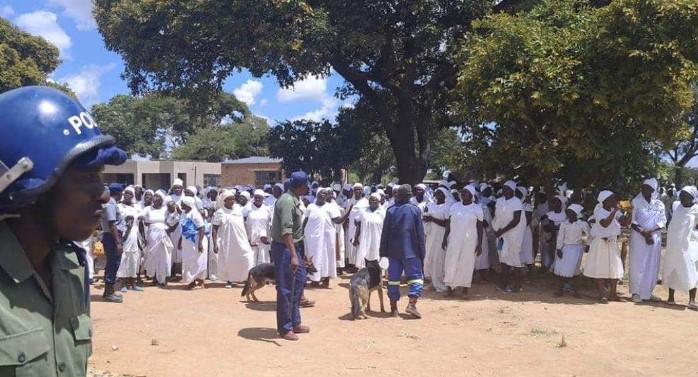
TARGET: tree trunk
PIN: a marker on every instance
(678, 177)
(410, 167)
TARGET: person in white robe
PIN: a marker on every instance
(462, 241)
(257, 225)
(603, 261)
(193, 245)
(235, 256)
(320, 237)
(158, 244)
(570, 247)
(358, 204)
(176, 195)
(489, 256)
(435, 222)
(131, 255)
(681, 257)
(649, 218)
(550, 224)
(369, 227)
(527, 242)
(420, 199)
(336, 210)
(509, 224)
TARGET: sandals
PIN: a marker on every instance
(693, 307)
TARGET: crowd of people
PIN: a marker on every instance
(220, 234)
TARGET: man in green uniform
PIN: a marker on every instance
(51, 195)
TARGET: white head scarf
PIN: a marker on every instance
(577, 209)
(603, 195)
(245, 194)
(562, 199)
(130, 189)
(651, 182)
(189, 201)
(447, 194)
(693, 191)
(357, 185)
(511, 184)
(483, 186)
(422, 186)
(523, 191)
(162, 194)
(259, 192)
(193, 190)
(280, 185)
(375, 195)
(177, 182)
(472, 190)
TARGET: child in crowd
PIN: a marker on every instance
(570, 248)
(130, 257)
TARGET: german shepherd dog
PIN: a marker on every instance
(264, 273)
(365, 281)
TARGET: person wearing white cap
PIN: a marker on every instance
(509, 224)
(649, 218)
(193, 244)
(570, 247)
(368, 231)
(527, 242)
(435, 222)
(603, 261)
(358, 204)
(419, 199)
(257, 225)
(463, 241)
(235, 256)
(158, 244)
(485, 194)
(131, 255)
(276, 192)
(335, 211)
(681, 257)
(550, 223)
(192, 191)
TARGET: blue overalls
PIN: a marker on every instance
(289, 286)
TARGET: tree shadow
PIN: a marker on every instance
(260, 334)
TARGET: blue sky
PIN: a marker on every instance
(93, 72)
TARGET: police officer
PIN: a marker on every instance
(51, 152)
(289, 258)
(112, 242)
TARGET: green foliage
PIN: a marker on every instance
(572, 92)
(314, 147)
(24, 59)
(246, 138)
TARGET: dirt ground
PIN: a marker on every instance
(215, 332)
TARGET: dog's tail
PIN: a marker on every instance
(246, 288)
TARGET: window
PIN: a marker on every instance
(212, 180)
(262, 178)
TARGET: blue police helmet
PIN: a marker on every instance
(42, 132)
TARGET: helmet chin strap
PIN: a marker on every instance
(8, 176)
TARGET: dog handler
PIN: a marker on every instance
(51, 195)
(288, 256)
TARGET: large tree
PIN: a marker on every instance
(571, 90)
(394, 54)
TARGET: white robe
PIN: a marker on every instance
(320, 237)
(335, 211)
(131, 256)
(462, 242)
(527, 241)
(257, 226)
(434, 262)
(681, 256)
(193, 262)
(235, 256)
(489, 250)
(359, 206)
(510, 253)
(158, 261)
(370, 237)
(603, 260)
(644, 258)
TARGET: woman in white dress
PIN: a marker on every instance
(603, 261)
(337, 210)
(235, 256)
(463, 241)
(131, 255)
(527, 243)
(192, 244)
(257, 226)
(158, 244)
(369, 227)
(509, 224)
(320, 237)
(570, 247)
(681, 257)
(436, 220)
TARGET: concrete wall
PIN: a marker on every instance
(244, 174)
(191, 172)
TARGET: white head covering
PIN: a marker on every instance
(381, 193)
(422, 186)
(483, 186)
(130, 189)
(603, 195)
(446, 193)
(576, 208)
(511, 184)
(375, 195)
(693, 191)
(651, 182)
(245, 194)
(337, 187)
(451, 184)
(472, 190)
(225, 194)
(444, 183)
(178, 182)
(280, 185)
(523, 191)
(149, 191)
(193, 190)
(357, 185)
(189, 201)
(562, 199)
(260, 193)
(162, 194)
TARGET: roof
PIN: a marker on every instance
(254, 160)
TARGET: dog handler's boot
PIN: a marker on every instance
(111, 296)
(412, 308)
(393, 309)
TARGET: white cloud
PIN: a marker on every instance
(312, 88)
(44, 24)
(328, 111)
(263, 102)
(86, 83)
(6, 11)
(248, 91)
(79, 11)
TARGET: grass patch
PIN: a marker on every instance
(539, 331)
(562, 343)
